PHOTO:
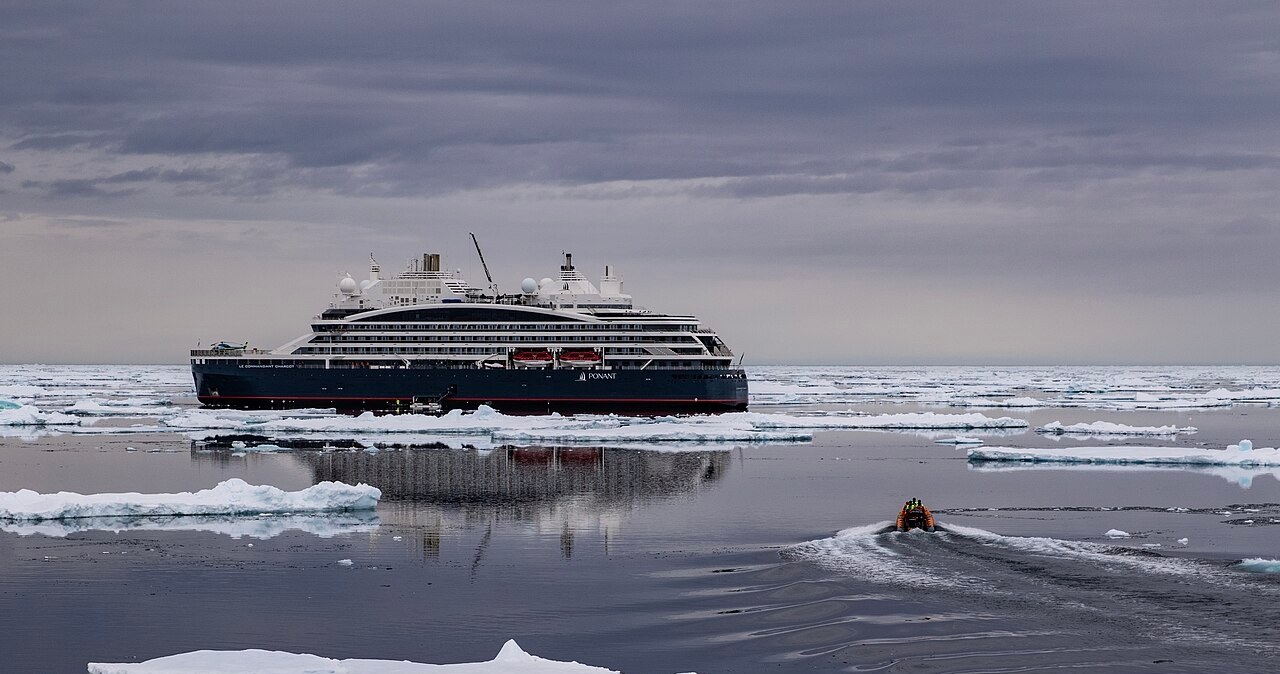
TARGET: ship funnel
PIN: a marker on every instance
(568, 262)
(610, 285)
(431, 262)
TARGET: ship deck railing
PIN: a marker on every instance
(229, 352)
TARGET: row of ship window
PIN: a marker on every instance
(534, 339)
(540, 327)
(692, 351)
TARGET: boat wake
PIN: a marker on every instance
(1179, 599)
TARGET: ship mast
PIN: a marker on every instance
(492, 286)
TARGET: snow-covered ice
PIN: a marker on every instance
(261, 527)
(1233, 455)
(230, 497)
(959, 440)
(1116, 533)
(498, 427)
(1260, 565)
(1242, 476)
(1109, 428)
(29, 415)
(510, 660)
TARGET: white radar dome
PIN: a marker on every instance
(348, 285)
(528, 286)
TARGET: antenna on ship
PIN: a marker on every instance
(492, 286)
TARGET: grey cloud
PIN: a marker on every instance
(528, 94)
(6, 167)
(1072, 147)
(74, 187)
(58, 141)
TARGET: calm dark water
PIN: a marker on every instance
(646, 561)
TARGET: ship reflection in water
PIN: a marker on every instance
(556, 491)
(564, 491)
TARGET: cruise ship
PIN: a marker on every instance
(426, 340)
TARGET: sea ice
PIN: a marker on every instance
(1240, 475)
(1108, 428)
(326, 525)
(93, 408)
(29, 415)
(510, 660)
(1022, 402)
(907, 420)
(731, 427)
(1233, 455)
(959, 440)
(231, 497)
(1116, 533)
(1260, 565)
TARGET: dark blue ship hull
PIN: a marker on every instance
(229, 383)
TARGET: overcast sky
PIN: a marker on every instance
(822, 182)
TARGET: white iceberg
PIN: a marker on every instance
(1116, 533)
(1108, 428)
(29, 415)
(510, 660)
(1233, 455)
(231, 497)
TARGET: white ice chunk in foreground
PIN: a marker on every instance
(1108, 428)
(1116, 533)
(231, 497)
(1233, 455)
(510, 660)
(29, 415)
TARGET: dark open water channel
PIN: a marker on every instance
(643, 561)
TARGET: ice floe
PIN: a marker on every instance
(116, 408)
(29, 415)
(261, 527)
(1233, 455)
(230, 497)
(486, 423)
(510, 660)
(1109, 428)
(1260, 565)
(959, 440)
(1242, 476)
(1021, 403)
(1116, 533)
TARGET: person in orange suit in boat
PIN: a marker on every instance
(915, 516)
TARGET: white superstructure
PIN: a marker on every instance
(426, 317)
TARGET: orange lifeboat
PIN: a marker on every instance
(532, 358)
(580, 358)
